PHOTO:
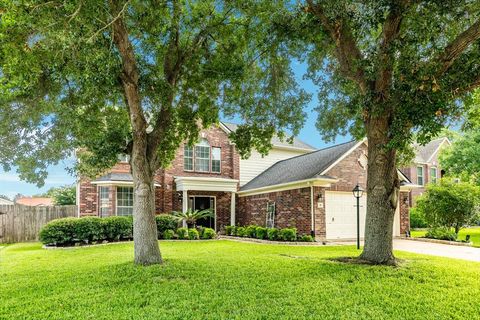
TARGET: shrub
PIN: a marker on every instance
(288, 234)
(89, 229)
(272, 234)
(441, 233)
(240, 231)
(230, 230)
(182, 233)
(208, 233)
(58, 232)
(250, 231)
(116, 228)
(193, 234)
(417, 219)
(261, 233)
(165, 222)
(450, 204)
(306, 238)
(168, 234)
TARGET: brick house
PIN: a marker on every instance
(293, 186)
(425, 168)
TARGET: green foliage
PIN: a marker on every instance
(118, 228)
(208, 233)
(182, 233)
(69, 231)
(450, 204)
(193, 234)
(63, 196)
(241, 231)
(306, 238)
(230, 230)
(192, 216)
(250, 231)
(168, 234)
(461, 158)
(195, 60)
(58, 232)
(417, 219)
(441, 233)
(273, 234)
(165, 222)
(261, 233)
(288, 234)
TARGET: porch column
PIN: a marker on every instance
(184, 205)
(232, 209)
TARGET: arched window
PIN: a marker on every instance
(202, 157)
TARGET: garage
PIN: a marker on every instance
(341, 216)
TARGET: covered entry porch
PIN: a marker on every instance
(217, 194)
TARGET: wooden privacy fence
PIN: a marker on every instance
(20, 223)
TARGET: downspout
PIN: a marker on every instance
(312, 212)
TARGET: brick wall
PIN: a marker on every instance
(292, 209)
(166, 197)
(404, 212)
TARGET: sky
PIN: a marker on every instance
(11, 185)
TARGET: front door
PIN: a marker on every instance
(202, 203)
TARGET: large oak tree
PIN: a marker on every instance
(386, 69)
(136, 77)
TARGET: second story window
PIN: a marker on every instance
(433, 175)
(420, 175)
(202, 158)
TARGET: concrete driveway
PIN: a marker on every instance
(429, 248)
(437, 249)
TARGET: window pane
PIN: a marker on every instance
(188, 158)
(216, 159)
(433, 175)
(202, 158)
(103, 195)
(124, 201)
(420, 176)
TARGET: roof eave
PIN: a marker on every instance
(317, 182)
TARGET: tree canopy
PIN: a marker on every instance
(61, 75)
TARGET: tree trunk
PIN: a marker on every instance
(382, 191)
(146, 248)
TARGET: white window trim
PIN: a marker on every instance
(436, 174)
(220, 160)
(209, 159)
(116, 202)
(193, 158)
(269, 204)
(422, 176)
(100, 207)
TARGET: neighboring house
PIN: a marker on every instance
(35, 201)
(4, 201)
(425, 168)
(293, 186)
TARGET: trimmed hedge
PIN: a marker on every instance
(69, 231)
(165, 222)
(208, 233)
(273, 234)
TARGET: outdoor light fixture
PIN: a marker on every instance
(358, 193)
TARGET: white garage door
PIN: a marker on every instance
(341, 216)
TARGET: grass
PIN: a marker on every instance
(231, 280)
(474, 233)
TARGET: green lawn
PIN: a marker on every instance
(231, 280)
(474, 233)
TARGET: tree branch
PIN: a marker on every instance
(111, 22)
(130, 74)
(346, 50)
(391, 30)
(457, 47)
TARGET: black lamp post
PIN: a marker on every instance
(357, 193)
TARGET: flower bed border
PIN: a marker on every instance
(117, 242)
(262, 241)
(452, 243)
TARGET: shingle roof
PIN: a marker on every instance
(116, 176)
(424, 153)
(302, 167)
(297, 143)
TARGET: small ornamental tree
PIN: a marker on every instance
(62, 196)
(139, 78)
(386, 70)
(450, 204)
